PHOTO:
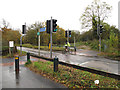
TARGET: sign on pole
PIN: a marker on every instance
(38, 33)
(11, 43)
(42, 29)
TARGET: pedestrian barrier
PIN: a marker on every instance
(56, 61)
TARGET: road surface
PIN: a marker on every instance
(82, 58)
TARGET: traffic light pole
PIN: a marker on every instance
(21, 39)
(68, 35)
(21, 45)
(51, 39)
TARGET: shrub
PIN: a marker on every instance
(5, 50)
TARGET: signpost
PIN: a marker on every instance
(11, 46)
(38, 33)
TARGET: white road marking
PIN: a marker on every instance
(84, 63)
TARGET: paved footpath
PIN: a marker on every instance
(25, 79)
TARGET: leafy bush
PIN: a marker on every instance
(27, 45)
(28, 62)
(5, 50)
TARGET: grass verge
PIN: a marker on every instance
(54, 48)
(110, 55)
(17, 53)
(71, 77)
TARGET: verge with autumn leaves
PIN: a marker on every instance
(71, 77)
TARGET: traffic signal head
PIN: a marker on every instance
(23, 29)
(54, 25)
(101, 28)
(48, 24)
(65, 33)
(69, 33)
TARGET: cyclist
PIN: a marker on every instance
(66, 46)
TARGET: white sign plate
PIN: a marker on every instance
(11, 43)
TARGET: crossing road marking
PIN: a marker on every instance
(84, 63)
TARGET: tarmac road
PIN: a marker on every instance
(85, 58)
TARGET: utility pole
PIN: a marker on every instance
(51, 39)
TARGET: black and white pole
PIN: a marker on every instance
(51, 39)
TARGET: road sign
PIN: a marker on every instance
(38, 33)
(11, 43)
(42, 29)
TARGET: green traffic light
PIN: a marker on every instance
(55, 30)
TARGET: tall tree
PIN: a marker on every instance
(90, 16)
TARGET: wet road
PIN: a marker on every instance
(83, 58)
(25, 78)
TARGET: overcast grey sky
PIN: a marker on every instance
(67, 12)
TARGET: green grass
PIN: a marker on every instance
(111, 53)
(17, 53)
(71, 77)
(54, 48)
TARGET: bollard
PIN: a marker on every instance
(28, 57)
(16, 63)
(56, 61)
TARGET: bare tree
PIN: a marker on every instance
(5, 24)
